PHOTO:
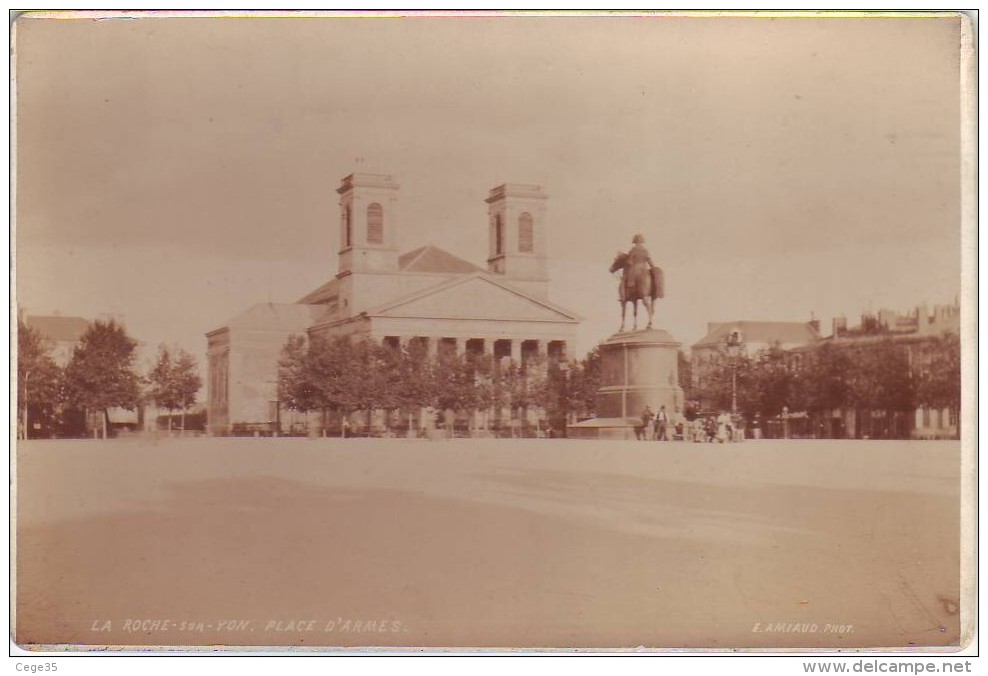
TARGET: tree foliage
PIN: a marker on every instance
(584, 381)
(769, 383)
(879, 374)
(296, 386)
(347, 375)
(880, 377)
(173, 382)
(100, 374)
(39, 379)
(938, 374)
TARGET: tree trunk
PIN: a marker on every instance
(105, 415)
(169, 422)
(183, 421)
(23, 401)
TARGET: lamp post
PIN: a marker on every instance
(733, 343)
(566, 404)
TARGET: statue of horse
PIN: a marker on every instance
(633, 288)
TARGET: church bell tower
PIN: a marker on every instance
(368, 224)
(517, 242)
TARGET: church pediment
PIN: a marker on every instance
(475, 296)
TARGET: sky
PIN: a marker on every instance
(172, 172)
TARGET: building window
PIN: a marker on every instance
(498, 235)
(375, 224)
(526, 233)
(347, 228)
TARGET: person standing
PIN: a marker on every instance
(723, 425)
(662, 425)
(646, 427)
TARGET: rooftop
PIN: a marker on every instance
(57, 328)
(426, 259)
(784, 333)
(432, 259)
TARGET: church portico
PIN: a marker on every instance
(518, 350)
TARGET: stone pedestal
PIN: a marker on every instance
(638, 368)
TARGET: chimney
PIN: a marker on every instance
(839, 326)
(814, 323)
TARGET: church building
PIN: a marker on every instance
(427, 295)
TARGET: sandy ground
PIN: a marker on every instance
(543, 543)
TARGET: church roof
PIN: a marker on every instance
(426, 259)
(262, 316)
(57, 328)
(769, 333)
(432, 259)
(322, 294)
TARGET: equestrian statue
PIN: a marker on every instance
(640, 280)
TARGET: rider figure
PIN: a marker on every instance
(639, 265)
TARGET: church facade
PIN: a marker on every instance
(427, 295)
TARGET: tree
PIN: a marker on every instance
(684, 369)
(825, 382)
(331, 372)
(558, 401)
(881, 377)
(174, 383)
(414, 377)
(714, 383)
(100, 375)
(338, 374)
(370, 374)
(295, 386)
(453, 386)
(39, 380)
(186, 381)
(488, 384)
(938, 373)
(584, 383)
(769, 383)
(159, 379)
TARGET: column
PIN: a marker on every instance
(431, 347)
(516, 351)
(543, 348)
(403, 342)
(461, 346)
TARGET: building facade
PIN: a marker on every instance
(427, 295)
(927, 345)
(710, 352)
(919, 333)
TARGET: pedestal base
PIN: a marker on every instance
(638, 369)
(604, 428)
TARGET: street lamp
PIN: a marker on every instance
(565, 404)
(734, 343)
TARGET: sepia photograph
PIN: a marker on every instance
(493, 331)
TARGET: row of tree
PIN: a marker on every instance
(342, 375)
(879, 375)
(101, 375)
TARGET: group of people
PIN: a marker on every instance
(720, 428)
(659, 427)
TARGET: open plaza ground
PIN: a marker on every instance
(487, 543)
